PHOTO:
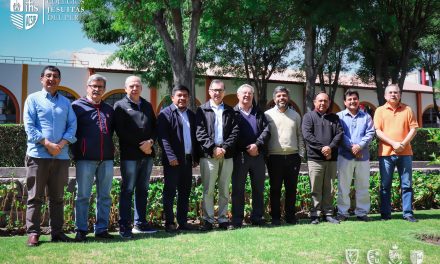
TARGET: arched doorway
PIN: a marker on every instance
(113, 96)
(368, 107)
(429, 118)
(9, 109)
(68, 93)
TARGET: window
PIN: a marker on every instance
(113, 98)
(7, 109)
(429, 118)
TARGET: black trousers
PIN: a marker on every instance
(283, 169)
(255, 166)
(177, 178)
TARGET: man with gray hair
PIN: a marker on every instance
(285, 148)
(249, 157)
(93, 153)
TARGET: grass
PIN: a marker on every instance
(303, 243)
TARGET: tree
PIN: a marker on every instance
(391, 29)
(251, 39)
(429, 57)
(176, 22)
(321, 22)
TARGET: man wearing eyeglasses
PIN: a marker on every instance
(217, 133)
(50, 125)
(353, 159)
(93, 153)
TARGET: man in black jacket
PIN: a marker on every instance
(217, 132)
(177, 138)
(323, 133)
(93, 153)
(135, 125)
(249, 157)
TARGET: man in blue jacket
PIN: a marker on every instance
(177, 138)
(135, 125)
(93, 153)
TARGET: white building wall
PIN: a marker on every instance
(10, 78)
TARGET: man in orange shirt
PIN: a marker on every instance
(395, 126)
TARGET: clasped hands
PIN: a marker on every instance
(146, 146)
(53, 148)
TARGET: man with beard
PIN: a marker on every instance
(285, 149)
(322, 134)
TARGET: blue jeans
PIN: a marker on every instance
(404, 168)
(135, 174)
(86, 172)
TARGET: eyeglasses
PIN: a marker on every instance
(55, 76)
(99, 87)
(217, 90)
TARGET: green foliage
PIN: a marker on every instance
(12, 205)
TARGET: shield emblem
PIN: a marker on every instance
(352, 256)
(373, 256)
(416, 256)
(395, 255)
(17, 20)
(30, 20)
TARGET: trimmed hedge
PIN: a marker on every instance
(13, 146)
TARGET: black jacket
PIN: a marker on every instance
(321, 130)
(170, 135)
(134, 125)
(262, 127)
(205, 118)
(95, 131)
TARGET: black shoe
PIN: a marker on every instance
(410, 218)
(125, 232)
(186, 227)
(291, 221)
(171, 228)
(341, 218)
(61, 237)
(276, 222)
(225, 226)
(104, 235)
(81, 236)
(364, 218)
(207, 226)
(332, 220)
(385, 218)
(314, 220)
(260, 222)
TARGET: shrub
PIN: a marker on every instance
(12, 211)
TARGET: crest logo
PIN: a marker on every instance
(373, 256)
(395, 255)
(352, 256)
(24, 13)
(416, 257)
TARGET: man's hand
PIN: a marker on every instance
(174, 163)
(252, 150)
(52, 148)
(219, 153)
(326, 151)
(145, 146)
(355, 149)
(398, 147)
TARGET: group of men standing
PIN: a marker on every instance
(228, 143)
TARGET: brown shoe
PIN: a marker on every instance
(33, 240)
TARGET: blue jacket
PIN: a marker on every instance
(95, 131)
(170, 135)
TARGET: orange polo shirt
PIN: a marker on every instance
(395, 124)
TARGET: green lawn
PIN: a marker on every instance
(304, 243)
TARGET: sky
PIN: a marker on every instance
(57, 38)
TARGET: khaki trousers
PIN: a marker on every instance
(321, 174)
